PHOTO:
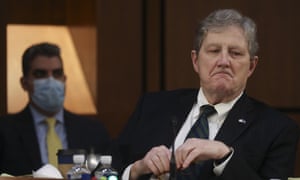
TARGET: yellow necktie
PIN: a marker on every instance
(53, 141)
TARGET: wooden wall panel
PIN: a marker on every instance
(35, 11)
(276, 77)
(119, 60)
(3, 97)
(81, 21)
(181, 18)
(153, 44)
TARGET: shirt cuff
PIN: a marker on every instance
(218, 169)
(126, 173)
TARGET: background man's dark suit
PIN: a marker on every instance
(19, 149)
(264, 140)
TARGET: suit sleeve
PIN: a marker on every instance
(277, 162)
(121, 146)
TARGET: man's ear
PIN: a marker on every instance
(253, 63)
(24, 83)
(65, 78)
(195, 62)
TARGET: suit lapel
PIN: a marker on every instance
(69, 131)
(186, 102)
(237, 121)
(25, 127)
(72, 131)
(177, 114)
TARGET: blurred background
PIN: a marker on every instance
(115, 50)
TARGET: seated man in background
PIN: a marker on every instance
(24, 136)
(215, 131)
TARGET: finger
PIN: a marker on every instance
(149, 160)
(181, 154)
(193, 154)
(178, 157)
(164, 157)
(165, 161)
(160, 159)
(151, 165)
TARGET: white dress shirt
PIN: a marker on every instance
(215, 122)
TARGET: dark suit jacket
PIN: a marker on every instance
(19, 149)
(264, 146)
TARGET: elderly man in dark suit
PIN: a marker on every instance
(216, 131)
(24, 136)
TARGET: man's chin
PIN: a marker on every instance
(221, 89)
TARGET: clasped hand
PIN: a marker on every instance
(157, 160)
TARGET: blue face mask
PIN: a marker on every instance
(48, 94)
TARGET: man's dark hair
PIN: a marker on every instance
(41, 49)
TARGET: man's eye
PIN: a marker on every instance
(40, 73)
(213, 50)
(58, 73)
(236, 53)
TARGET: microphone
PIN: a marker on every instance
(173, 168)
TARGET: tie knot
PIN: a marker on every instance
(51, 121)
(207, 110)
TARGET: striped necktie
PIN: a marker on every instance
(53, 141)
(200, 129)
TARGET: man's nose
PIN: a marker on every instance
(50, 74)
(224, 58)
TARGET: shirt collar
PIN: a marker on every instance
(39, 118)
(221, 108)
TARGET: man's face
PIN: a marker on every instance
(43, 67)
(223, 63)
